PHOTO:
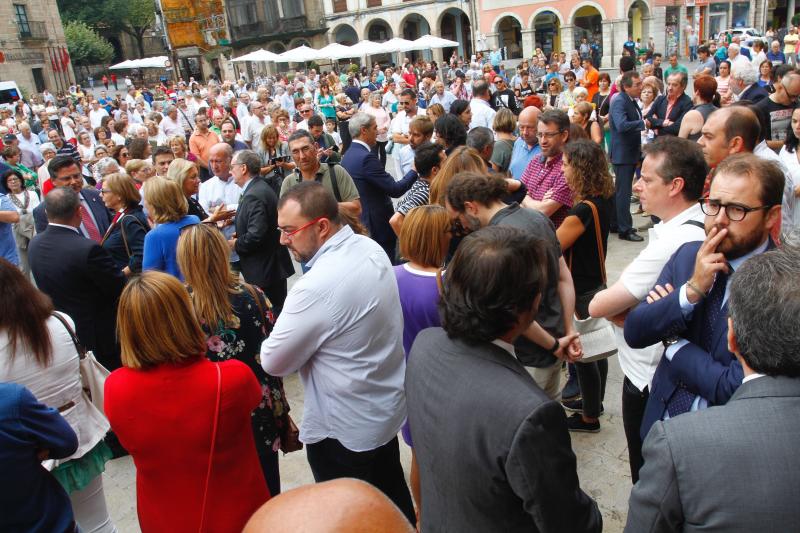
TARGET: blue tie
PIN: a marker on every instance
(682, 399)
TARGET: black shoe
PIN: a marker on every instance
(577, 423)
(576, 406)
(631, 236)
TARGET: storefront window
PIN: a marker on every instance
(741, 11)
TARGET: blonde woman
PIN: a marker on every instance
(177, 143)
(235, 319)
(167, 207)
(187, 175)
(461, 159)
(140, 170)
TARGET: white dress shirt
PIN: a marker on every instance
(482, 113)
(342, 328)
(216, 191)
(95, 117)
(664, 239)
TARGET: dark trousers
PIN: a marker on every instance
(592, 379)
(380, 467)
(277, 295)
(344, 133)
(380, 151)
(633, 403)
(623, 182)
(272, 473)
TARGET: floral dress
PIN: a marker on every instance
(242, 340)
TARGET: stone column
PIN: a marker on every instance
(492, 40)
(567, 39)
(658, 28)
(528, 45)
(620, 35)
(609, 44)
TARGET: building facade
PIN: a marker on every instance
(350, 21)
(33, 50)
(274, 25)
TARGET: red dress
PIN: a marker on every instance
(164, 417)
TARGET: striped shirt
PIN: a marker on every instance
(418, 195)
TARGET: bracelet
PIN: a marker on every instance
(555, 346)
(696, 290)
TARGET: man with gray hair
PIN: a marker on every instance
(744, 83)
(375, 186)
(170, 124)
(734, 467)
(481, 139)
(264, 262)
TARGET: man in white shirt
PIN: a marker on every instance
(27, 140)
(339, 328)
(407, 106)
(482, 112)
(242, 108)
(445, 98)
(221, 189)
(96, 114)
(258, 121)
(170, 124)
(735, 56)
(673, 174)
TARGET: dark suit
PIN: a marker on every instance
(493, 450)
(83, 281)
(755, 93)
(376, 187)
(729, 468)
(713, 375)
(658, 114)
(102, 215)
(264, 262)
(124, 240)
(626, 123)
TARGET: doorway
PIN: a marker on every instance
(38, 79)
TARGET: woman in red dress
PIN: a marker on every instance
(184, 420)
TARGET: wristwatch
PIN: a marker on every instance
(669, 341)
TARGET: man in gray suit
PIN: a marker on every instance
(735, 467)
(493, 450)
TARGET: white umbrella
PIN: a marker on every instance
(396, 45)
(335, 51)
(152, 62)
(429, 41)
(258, 55)
(365, 48)
(301, 54)
(125, 64)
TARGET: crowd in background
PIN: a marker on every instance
(449, 225)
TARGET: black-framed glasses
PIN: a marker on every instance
(734, 212)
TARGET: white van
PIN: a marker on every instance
(9, 94)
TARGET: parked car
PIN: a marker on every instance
(748, 36)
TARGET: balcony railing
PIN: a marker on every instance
(32, 30)
(264, 28)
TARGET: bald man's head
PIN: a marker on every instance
(338, 506)
(527, 122)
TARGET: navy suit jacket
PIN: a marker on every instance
(101, 213)
(376, 187)
(626, 123)
(658, 114)
(714, 376)
(755, 93)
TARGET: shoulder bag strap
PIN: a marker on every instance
(334, 181)
(599, 238)
(78, 347)
(694, 223)
(213, 443)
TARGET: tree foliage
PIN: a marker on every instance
(86, 46)
(133, 17)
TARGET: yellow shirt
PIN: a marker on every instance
(790, 43)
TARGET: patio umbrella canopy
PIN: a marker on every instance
(258, 55)
(301, 54)
(430, 41)
(335, 51)
(396, 45)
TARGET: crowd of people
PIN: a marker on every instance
(448, 227)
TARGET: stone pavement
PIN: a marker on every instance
(602, 457)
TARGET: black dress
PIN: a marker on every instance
(242, 340)
(196, 209)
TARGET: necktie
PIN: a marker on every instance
(91, 228)
(681, 401)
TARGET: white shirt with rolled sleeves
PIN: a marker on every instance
(215, 192)
(640, 276)
(341, 327)
(482, 114)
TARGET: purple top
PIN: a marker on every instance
(419, 296)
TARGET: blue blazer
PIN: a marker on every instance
(715, 376)
(376, 187)
(625, 121)
(135, 226)
(101, 213)
(755, 93)
(658, 113)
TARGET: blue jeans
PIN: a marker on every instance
(692, 53)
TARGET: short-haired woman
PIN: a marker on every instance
(185, 420)
(177, 143)
(374, 108)
(275, 158)
(24, 202)
(586, 173)
(504, 126)
(187, 175)
(424, 242)
(124, 239)
(167, 207)
(235, 318)
(37, 351)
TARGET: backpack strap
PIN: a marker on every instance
(694, 223)
(334, 181)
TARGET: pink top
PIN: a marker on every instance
(382, 118)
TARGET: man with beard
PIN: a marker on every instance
(687, 308)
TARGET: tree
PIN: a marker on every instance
(85, 45)
(133, 17)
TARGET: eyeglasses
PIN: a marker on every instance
(548, 134)
(734, 212)
(290, 234)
